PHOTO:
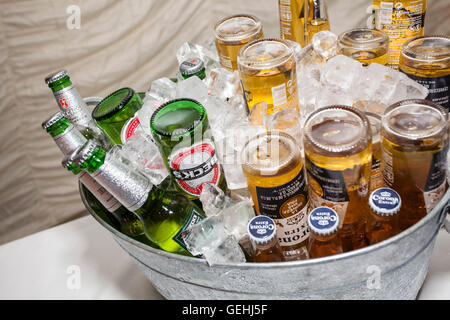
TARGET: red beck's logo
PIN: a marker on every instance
(194, 166)
(63, 103)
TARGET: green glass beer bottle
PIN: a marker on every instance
(69, 139)
(129, 224)
(193, 67)
(73, 107)
(164, 215)
(115, 114)
(180, 128)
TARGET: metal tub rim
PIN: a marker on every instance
(440, 210)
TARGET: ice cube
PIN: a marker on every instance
(224, 84)
(342, 73)
(162, 89)
(192, 88)
(213, 199)
(286, 120)
(236, 217)
(209, 238)
(144, 154)
(325, 43)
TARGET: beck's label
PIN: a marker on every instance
(129, 128)
(193, 218)
(287, 205)
(195, 165)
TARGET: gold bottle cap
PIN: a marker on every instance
(270, 154)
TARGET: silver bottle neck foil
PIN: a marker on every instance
(104, 197)
(70, 140)
(128, 186)
(73, 106)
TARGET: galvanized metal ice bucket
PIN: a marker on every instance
(392, 269)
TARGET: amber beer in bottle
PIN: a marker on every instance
(275, 176)
(376, 176)
(262, 231)
(338, 154)
(382, 221)
(426, 60)
(400, 20)
(414, 142)
(232, 33)
(268, 73)
(324, 240)
(317, 19)
(365, 45)
(292, 20)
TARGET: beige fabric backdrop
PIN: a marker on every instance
(119, 43)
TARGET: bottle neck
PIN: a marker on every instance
(70, 103)
(104, 197)
(69, 140)
(128, 186)
(60, 84)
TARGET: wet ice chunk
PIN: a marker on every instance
(325, 43)
(192, 88)
(209, 239)
(342, 73)
(162, 89)
(144, 155)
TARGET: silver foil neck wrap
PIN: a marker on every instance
(106, 199)
(70, 140)
(73, 106)
(128, 186)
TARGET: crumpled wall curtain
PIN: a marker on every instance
(119, 43)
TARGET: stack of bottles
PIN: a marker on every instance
(285, 184)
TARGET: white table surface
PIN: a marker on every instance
(46, 265)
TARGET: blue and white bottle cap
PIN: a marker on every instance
(261, 229)
(385, 201)
(323, 221)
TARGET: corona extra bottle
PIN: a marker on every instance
(365, 45)
(324, 240)
(376, 176)
(268, 73)
(426, 60)
(232, 33)
(262, 231)
(273, 167)
(338, 155)
(292, 20)
(414, 156)
(400, 20)
(382, 222)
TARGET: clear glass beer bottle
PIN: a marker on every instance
(338, 154)
(383, 222)
(324, 240)
(414, 144)
(262, 231)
